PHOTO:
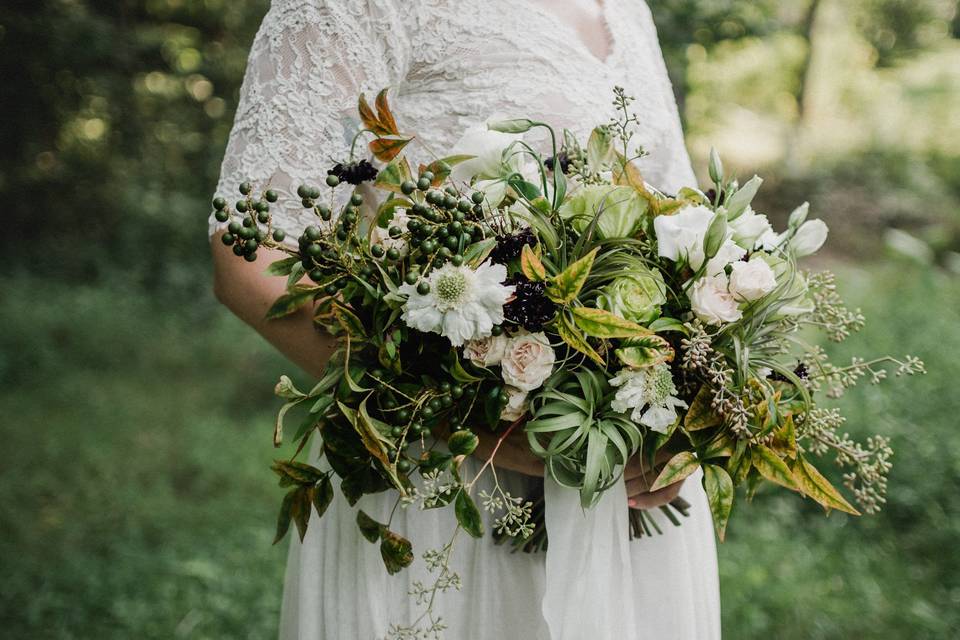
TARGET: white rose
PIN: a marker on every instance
(752, 280)
(730, 252)
(517, 404)
(809, 238)
(486, 352)
(749, 227)
(487, 148)
(527, 361)
(681, 235)
(382, 237)
(712, 303)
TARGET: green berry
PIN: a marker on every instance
(314, 250)
(314, 193)
(303, 191)
(330, 289)
(324, 212)
(317, 275)
(377, 251)
(411, 277)
(263, 217)
(445, 253)
(227, 239)
(246, 233)
(456, 260)
(456, 391)
(251, 245)
(221, 216)
(393, 253)
(238, 250)
(397, 431)
(241, 206)
(403, 415)
(434, 403)
(356, 199)
(234, 227)
(404, 466)
(423, 288)
(395, 232)
(306, 203)
(219, 204)
(250, 257)
(312, 233)
(270, 195)
(423, 184)
(332, 181)
(497, 330)
(477, 197)
(260, 205)
(407, 187)
(449, 202)
(245, 188)
(428, 175)
(279, 235)
(464, 206)
(427, 412)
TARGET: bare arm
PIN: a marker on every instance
(244, 289)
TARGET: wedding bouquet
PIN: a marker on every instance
(553, 290)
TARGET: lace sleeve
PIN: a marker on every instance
(297, 109)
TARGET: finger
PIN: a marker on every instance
(651, 499)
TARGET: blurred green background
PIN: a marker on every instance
(135, 495)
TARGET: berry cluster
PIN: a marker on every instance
(247, 233)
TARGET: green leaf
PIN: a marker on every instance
(287, 390)
(468, 515)
(459, 373)
(813, 484)
(565, 286)
(477, 252)
(526, 189)
(297, 472)
(396, 551)
(349, 321)
(282, 267)
(645, 352)
(283, 520)
(531, 266)
(661, 325)
(369, 528)
(393, 175)
(296, 296)
(771, 467)
(600, 323)
(677, 468)
(742, 197)
(386, 210)
(701, 415)
(716, 235)
(576, 340)
(441, 168)
(300, 510)
(322, 495)
(719, 489)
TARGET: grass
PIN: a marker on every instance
(135, 498)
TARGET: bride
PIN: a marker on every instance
(451, 65)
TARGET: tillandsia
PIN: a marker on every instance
(531, 282)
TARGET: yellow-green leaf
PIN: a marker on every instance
(396, 551)
(295, 297)
(719, 489)
(349, 321)
(565, 286)
(815, 485)
(531, 265)
(677, 468)
(701, 415)
(393, 175)
(645, 352)
(572, 336)
(600, 323)
(768, 463)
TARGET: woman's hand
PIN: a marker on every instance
(513, 452)
(639, 477)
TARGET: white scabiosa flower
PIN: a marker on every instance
(648, 395)
(462, 304)
(382, 237)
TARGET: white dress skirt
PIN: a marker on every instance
(451, 65)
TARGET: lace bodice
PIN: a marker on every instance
(450, 64)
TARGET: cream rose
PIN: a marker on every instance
(712, 302)
(517, 404)
(527, 361)
(752, 280)
(486, 352)
(749, 227)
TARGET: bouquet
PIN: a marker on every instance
(547, 287)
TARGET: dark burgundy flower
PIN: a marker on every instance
(354, 172)
(562, 157)
(510, 245)
(530, 307)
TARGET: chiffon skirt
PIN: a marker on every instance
(593, 583)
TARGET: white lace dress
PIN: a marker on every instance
(452, 64)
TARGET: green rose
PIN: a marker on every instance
(635, 296)
(621, 209)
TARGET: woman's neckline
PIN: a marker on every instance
(572, 34)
